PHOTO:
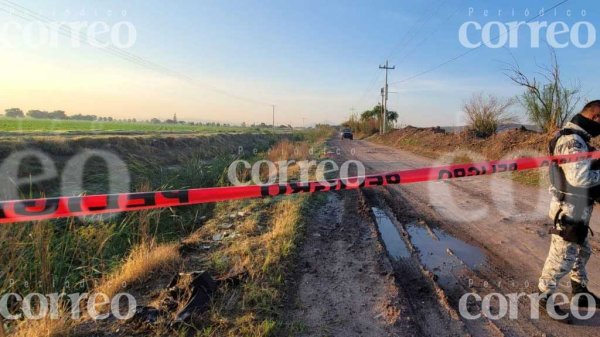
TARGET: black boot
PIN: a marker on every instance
(544, 305)
(578, 288)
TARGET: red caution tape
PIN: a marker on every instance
(51, 208)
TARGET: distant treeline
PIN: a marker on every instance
(61, 115)
(58, 114)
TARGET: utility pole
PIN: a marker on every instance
(303, 119)
(273, 117)
(386, 67)
(382, 111)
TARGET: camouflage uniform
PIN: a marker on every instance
(565, 256)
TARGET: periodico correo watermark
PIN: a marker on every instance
(34, 31)
(507, 305)
(514, 28)
(35, 306)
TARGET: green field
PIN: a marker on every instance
(50, 126)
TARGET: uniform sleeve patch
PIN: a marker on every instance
(575, 144)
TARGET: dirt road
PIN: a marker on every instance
(477, 235)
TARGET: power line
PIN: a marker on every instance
(398, 47)
(29, 15)
(469, 51)
(414, 48)
(424, 18)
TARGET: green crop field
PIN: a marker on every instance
(50, 126)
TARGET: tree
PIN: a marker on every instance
(58, 114)
(391, 116)
(485, 113)
(155, 121)
(14, 113)
(81, 117)
(375, 114)
(548, 103)
(371, 114)
(37, 114)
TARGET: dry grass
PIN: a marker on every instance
(288, 150)
(505, 145)
(435, 144)
(45, 327)
(280, 241)
(267, 241)
(264, 241)
(145, 260)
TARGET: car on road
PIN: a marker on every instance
(347, 133)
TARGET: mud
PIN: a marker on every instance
(453, 254)
(344, 283)
(394, 245)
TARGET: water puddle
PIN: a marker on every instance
(439, 252)
(442, 253)
(392, 240)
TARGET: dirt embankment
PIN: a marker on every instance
(465, 147)
(433, 142)
(146, 158)
(164, 150)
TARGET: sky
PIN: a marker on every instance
(316, 61)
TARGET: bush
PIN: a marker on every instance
(485, 113)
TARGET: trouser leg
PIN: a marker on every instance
(578, 273)
(560, 261)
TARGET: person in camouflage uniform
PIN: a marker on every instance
(570, 253)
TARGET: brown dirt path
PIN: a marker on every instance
(476, 210)
(346, 285)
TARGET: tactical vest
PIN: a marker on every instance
(567, 191)
(574, 228)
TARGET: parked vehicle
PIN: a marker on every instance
(347, 134)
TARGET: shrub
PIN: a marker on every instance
(485, 113)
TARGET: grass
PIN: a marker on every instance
(139, 247)
(268, 239)
(74, 255)
(144, 260)
(32, 125)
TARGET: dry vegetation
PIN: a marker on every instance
(436, 143)
(141, 251)
(263, 246)
(505, 145)
(144, 261)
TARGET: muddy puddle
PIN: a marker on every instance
(442, 254)
(394, 244)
